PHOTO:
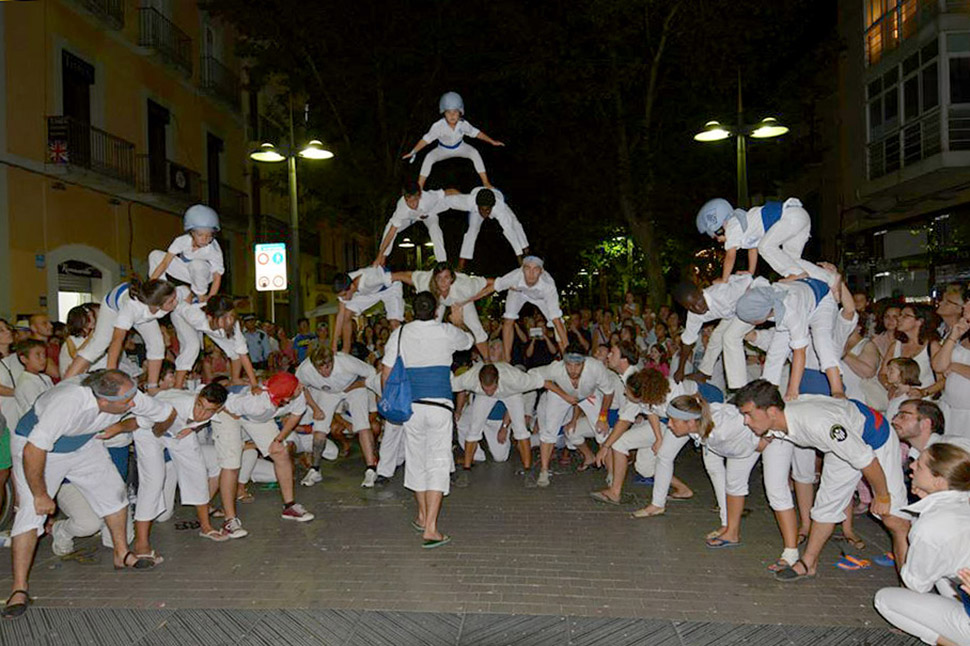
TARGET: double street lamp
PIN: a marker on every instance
(268, 153)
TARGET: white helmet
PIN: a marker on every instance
(451, 101)
(200, 216)
(713, 215)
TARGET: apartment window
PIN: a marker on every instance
(920, 84)
(213, 157)
(889, 22)
(958, 48)
(158, 119)
(77, 77)
(351, 257)
(883, 99)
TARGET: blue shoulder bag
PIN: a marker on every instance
(395, 403)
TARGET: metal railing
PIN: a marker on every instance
(111, 12)
(74, 143)
(959, 127)
(165, 177)
(159, 33)
(220, 81)
(912, 143)
(902, 21)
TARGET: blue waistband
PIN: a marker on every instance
(770, 214)
(710, 393)
(430, 382)
(877, 429)
(111, 300)
(444, 145)
(819, 288)
(498, 411)
(814, 382)
(65, 444)
(238, 388)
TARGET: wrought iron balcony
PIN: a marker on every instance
(110, 12)
(161, 34)
(220, 81)
(74, 143)
(165, 177)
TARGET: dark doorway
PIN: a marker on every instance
(158, 118)
(213, 150)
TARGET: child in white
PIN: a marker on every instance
(450, 132)
(195, 257)
(360, 290)
(483, 204)
(529, 284)
(216, 319)
(415, 205)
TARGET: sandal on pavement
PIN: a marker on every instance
(643, 513)
(216, 513)
(433, 543)
(14, 610)
(714, 534)
(778, 565)
(789, 574)
(246, 497)
(720, 543)
(153, 557)
(139, 564)
(416, 527)
(851, 563)
(599, 496)
(856, 543)
(885, 560)
(216, 535)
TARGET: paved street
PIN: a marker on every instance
(516, 550)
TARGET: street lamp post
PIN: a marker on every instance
(764, 129)
(268, 153)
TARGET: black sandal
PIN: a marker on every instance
(139, 564)
(15, 610)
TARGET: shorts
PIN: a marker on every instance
(227, 436)
(5, 461)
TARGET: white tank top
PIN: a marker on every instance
(922, 358)
(850, 380)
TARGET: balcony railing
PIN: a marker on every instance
(73, 143)
(161, 34)
(897, 24)
(110, 12)
(164, 177)
(220, 81)
(959, 126)
(908, 145)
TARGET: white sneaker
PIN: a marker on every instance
(311, 478)
(370, 477)
(543, 479)
(62, 544)
(233, 527)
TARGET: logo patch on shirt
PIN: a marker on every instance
(838, 433)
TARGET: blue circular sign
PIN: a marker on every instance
(277, 258)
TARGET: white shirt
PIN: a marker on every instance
(939, 540)
(721, 299)
(800, 304)
(211, 253)
(371, 280)
(132, 312)
(544, 291)
(431, 203)
(425, 344)
(464, 288)
(630, 412)
(443, 133)
(748, 238)
(10, 370)
(511, 381)
(29, 388)
(259, 408)
(730, 438)
(830, 426)
(501, 212)
(594, 377)
(183, 402)
(957, 390)
(346, 370)
(195, 315)
(70, 409)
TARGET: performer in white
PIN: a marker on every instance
(856, 441)
(331, 378)
(216, 319)
(953, 359)
(483, 204)
(356, 293)
(415, 205)
(450, 132)
(425, 348)
(55, 441)
(453, 289)
(195, 257)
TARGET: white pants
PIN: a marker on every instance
(391, 453)
(511, 228)
(554, 412)
(928, 616)
(956, 420)
(197, 273)
(357, 403)
(190, 472)
(728, 337)
(227, 435)
(89, 469)
(427, 447)
(781, 460)
(101, 337)
(665, 466)
(81, 521)
(729, 477)
(515, 301)
(641, 438)
(782, 244)
(185, 319)
(439, 152)
(471, 320)
(434, 232)
(477, 416)
(489, 429)
(821, 324)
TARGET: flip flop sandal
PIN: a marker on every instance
(153, 557)
(714, 534)
(789, 574)
(139, 564)
(885, 560)
(431, 544)
(849, 562)
(217, 513)
(599, 496)
(416, 527)
(720, 543)
(640, 513)
(15, 610)
(215, 535)
(248, 497)
(801, 539)
(778, 565)
(856, 543)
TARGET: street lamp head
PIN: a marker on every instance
(266, 153)
(429, 244)
(315, 150)
(713, 131)
(769, 127)
(406, 244)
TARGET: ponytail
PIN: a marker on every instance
(696, 405)
(153, 293)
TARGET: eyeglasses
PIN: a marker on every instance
(907, 316)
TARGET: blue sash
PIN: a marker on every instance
(770, 214)
(814, 382)
(498, 411)
(454, 147)
(877, 429)
(819, 288)
(238, 388)
(612, 417)
(712, 394)
(111, 300)
(66, 444)
(430, 382)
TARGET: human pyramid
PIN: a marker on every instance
(640, 396)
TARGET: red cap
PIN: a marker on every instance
(281, 386)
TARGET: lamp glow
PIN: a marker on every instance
(713, 131)
(406, 244)
(315, 150)
(266, 153)
(769, 127)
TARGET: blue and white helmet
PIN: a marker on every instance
(200, 216)
(713, 215)
(451, 101)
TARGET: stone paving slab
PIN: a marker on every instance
(516, 550)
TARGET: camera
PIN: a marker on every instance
(535, 332)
